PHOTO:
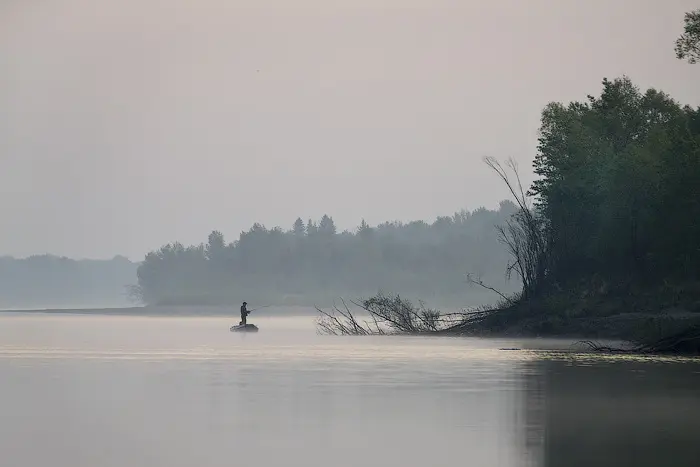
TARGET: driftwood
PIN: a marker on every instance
(387, 315)
(342, 322)
(686, 342)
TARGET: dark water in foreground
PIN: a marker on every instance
(98, 391)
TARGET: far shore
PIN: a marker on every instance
(153, 311)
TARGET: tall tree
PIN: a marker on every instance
(311, 228)
(326, 226)
(216, 246)
(618, 183)
(298, 228)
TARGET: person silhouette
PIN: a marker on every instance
(244, 313)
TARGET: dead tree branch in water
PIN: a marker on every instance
(388, 315)
(686, 342)
(601, 348)
(343, 322)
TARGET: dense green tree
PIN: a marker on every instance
(618, 186)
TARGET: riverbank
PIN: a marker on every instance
(664, 318)
(585, 319)
(648, 322)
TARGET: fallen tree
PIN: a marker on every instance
(385, 314)
(685, 341)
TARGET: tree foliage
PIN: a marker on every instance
(688, 44)
(619, 185)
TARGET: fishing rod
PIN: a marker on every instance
(260, 307)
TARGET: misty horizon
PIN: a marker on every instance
(126, 125)
(284, 228)
(417, 259)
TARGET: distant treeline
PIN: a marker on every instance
(47, 281)
(313, 262)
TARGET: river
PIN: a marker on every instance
(115, 391)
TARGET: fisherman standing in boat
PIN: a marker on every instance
(244, 313)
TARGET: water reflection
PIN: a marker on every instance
(617, 414)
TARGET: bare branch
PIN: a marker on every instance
(481, 284)
(388, 314)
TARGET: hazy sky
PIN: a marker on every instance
(126, 124)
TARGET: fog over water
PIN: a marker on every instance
(99, 391)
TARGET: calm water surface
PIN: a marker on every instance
(105, 391)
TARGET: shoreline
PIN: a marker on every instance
(621, 328)
(163, 311)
